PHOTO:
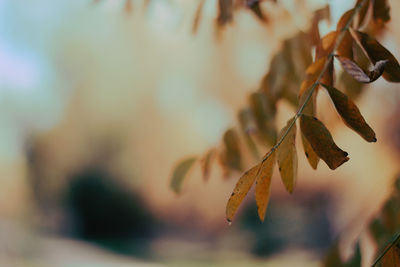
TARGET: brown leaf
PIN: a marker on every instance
(344, 20)
(322, 142)
(392, 257)
(287, 157)
(206, 163)
(359, 74)
(225, 12)
(381, 11)
(180, 173)
(312, 74)
(326, 44)
(263, 184)
(197, 17)
(345, 48)
(241, 189)
(256, 9)
(232, 150)
(363, 16)
(376, 52)
(249, 128)
(311, 156)
(350, 114)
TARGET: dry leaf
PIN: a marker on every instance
(350, 114)
(256, 9)
(249, 128)
(392, 257)
(287, 157)
(263, 184)
(322, 142)
(232, 150)
(197, 16)
(376, 52)
(180, 173)
(241, 189)
(225, 12)
(381, 11)
(345, 48)
(359, 74)
(206, 163)
(326, 44)
(344, 20)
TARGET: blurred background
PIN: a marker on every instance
(100, 100)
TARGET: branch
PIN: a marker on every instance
(317, 82)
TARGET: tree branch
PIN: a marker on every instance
(317, 82)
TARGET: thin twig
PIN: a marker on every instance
(386, 250)
(317, 82)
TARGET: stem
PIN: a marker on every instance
(317, 82)
(386, 250)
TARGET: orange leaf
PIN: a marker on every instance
(322, 142)
(241, 189)
(359, 74)
(344, 20)
(350, 114)
(376, 52)
(392, 257)
(345, 48)
(287, 157)
(263, 184)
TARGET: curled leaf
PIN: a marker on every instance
(241, 189)
(361, 75)
(322, 142)
(376, 52)
(180, 173)
(263, 184)
(350, 114)
(287, 156)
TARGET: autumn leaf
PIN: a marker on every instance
(326, 44)
(381, 11)
(322, 142)
(254, 6)
(249, 128)
(263, 184)
(376, 52)
(287, 156)
(345, 48)
(344, 19)
(225, 12)
(180, 173)
(206, 163)
(197, 16)
(363, 76)
(232, 150)
(392, 257)
(241, 189)
(350, 114)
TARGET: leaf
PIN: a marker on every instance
(311, 156)
(344, 20)
(197, 16)
(322, 142)
(361, 75)
(345, 48)
(350, 114)
(326, 44)
(232, 150)
(287, 156)
(225, 12)
(392, 257)
(312, 73)
(376, 52)
(254, 6)
(363, 14)
(180, 173)
(241, 189)
(381, 11)
(263, 184)
(249, 128)
(206, 163)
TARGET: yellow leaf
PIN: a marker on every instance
(180, 173)
(241, 189)
(287, 157)
(311, 156)
(350, 114)
(263, 184)
(322, 142)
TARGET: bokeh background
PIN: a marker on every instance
(100, 101)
